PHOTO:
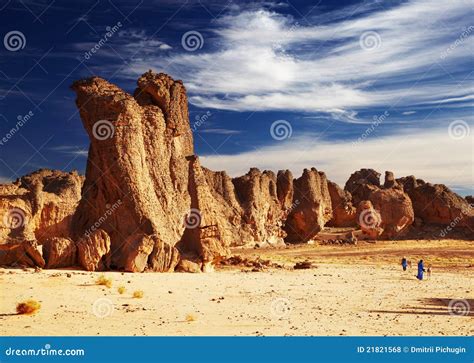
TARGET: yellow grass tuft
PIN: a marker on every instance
(138, 294)
(121, 289)
(28, 307)
(191, 317)
(102, 280)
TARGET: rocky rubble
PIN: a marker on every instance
(147, 204)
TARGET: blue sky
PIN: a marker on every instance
(334, 85)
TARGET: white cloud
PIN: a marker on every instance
(430, 155)
(71, 150)
(263, 60)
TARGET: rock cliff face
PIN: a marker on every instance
(146, 203)
(437, 204)
(344, 212)
(389, 205)
(311, 207)
(36, 209)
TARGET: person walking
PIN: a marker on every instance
(404, 263)
(421, 269)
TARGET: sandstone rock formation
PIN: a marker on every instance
(369, 220)
(147, 204)
(257, 194)
(437, 204)
(21, 252)
(389, 203)
(361, 183)
(59, 252)
(344, 213)
(143, 158)
(395, 209)
(312, 206)
(93, 251)
(35, 208)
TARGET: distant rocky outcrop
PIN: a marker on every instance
(437, 204)
(147, 204)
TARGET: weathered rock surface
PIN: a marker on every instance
(36, 207)
(263, 215)
(395, 209)
(437, 204)
(147, 204)
(21, 253)
(164, 257)
(361, 183)
(344, 213)
(389, 205)
(59, 252)
(369, 220)
(311, 207)
(39, 205)
(93, 251)
(144, 161)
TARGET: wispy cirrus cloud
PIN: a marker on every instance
(261, 60)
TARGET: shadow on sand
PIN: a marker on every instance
(437, 306)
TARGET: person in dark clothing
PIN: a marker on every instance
(421, 269)
(404, 263)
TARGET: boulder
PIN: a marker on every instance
(163, 258)
(189, 265)
(135, 252)
(93, 251)
(312, 207)
(59, 252)
(21, 253)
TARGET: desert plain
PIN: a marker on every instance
(350, 290)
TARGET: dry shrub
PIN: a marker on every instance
(121, 289)
(191, 317)
(138, 294)
(28, 307)
(102, 280)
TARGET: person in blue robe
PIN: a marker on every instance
(404, 263)
(421, 269)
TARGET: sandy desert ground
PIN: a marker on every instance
(354, 290)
